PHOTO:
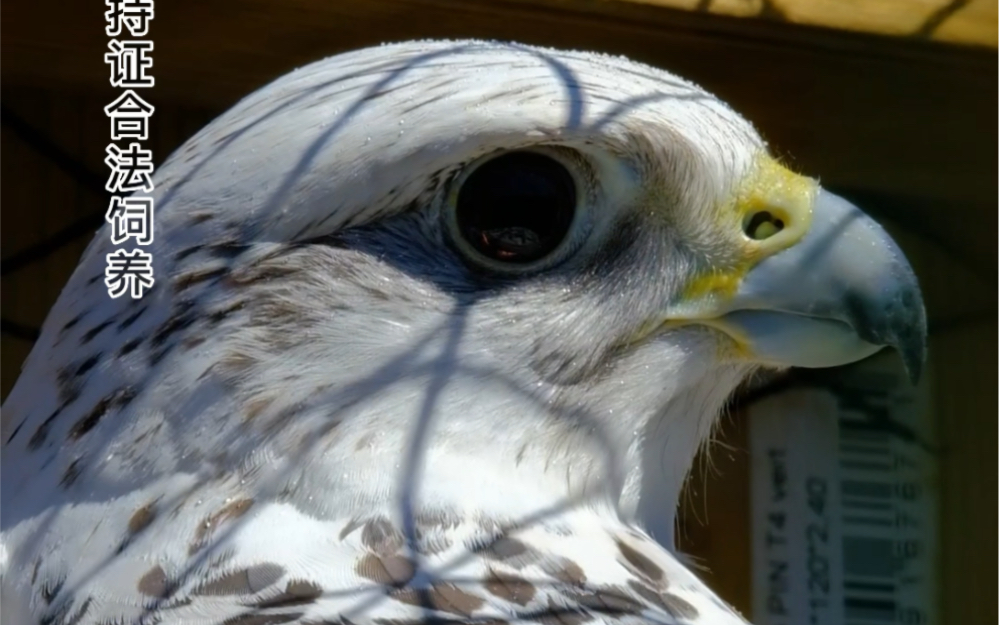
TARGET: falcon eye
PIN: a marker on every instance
(516, 208)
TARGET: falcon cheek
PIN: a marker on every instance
(824, 285)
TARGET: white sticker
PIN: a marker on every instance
(843, 502)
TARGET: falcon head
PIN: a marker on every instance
(538, 263)
(480, 278)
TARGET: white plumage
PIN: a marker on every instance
(329, 410)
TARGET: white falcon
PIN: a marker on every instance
(436, 332)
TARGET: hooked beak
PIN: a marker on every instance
(838, 292)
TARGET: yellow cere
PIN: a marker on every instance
(787, 196)
(770, 188)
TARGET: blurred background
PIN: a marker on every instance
(890, 102)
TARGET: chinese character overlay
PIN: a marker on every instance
(129, 272)
(129, 62)
(131, 169)
(129, 116)
(133, 14)
(131, 217)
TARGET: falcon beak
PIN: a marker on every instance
(839, 290)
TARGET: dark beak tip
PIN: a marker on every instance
(912, 346)
(913, 366)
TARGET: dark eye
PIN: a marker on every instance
(516, 208)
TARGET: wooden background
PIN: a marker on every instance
(902, 121)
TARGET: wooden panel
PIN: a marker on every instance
(956, 21)
(966, 409)
(907, 120)
(964, 370)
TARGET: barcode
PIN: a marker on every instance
(865, 462)
(873, 495)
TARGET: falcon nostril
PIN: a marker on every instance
(762, 225)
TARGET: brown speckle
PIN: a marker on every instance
(639, 562)
(87, 422)
(230, 511)
(180, 318)
(90, 334)
(217, 316)
(455, 600)
(129, 320)
(184, 253)
(87, 364)
(262, 619)
(510, 588)
(234, 363)
(247, 581)
(607, 600)
(154, 583)
(129, 347)
(381, 537)
(71, 473)
(193, 341)
(228, 249)
(158, 355)
(68, 385)
(646, 592)
(259, 273)
(558, 615)
(297, 592)
(189, 279)
(567, 571)
(72, 322)
(395, 570)
(679, 607)
(504, 548)
(256, 405)
(200, 218)
(445, 597)
(42, 433)
(142, 517)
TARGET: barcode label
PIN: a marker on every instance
(843, 502)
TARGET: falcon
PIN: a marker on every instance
(436, 331)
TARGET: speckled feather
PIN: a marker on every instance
(323, 414)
